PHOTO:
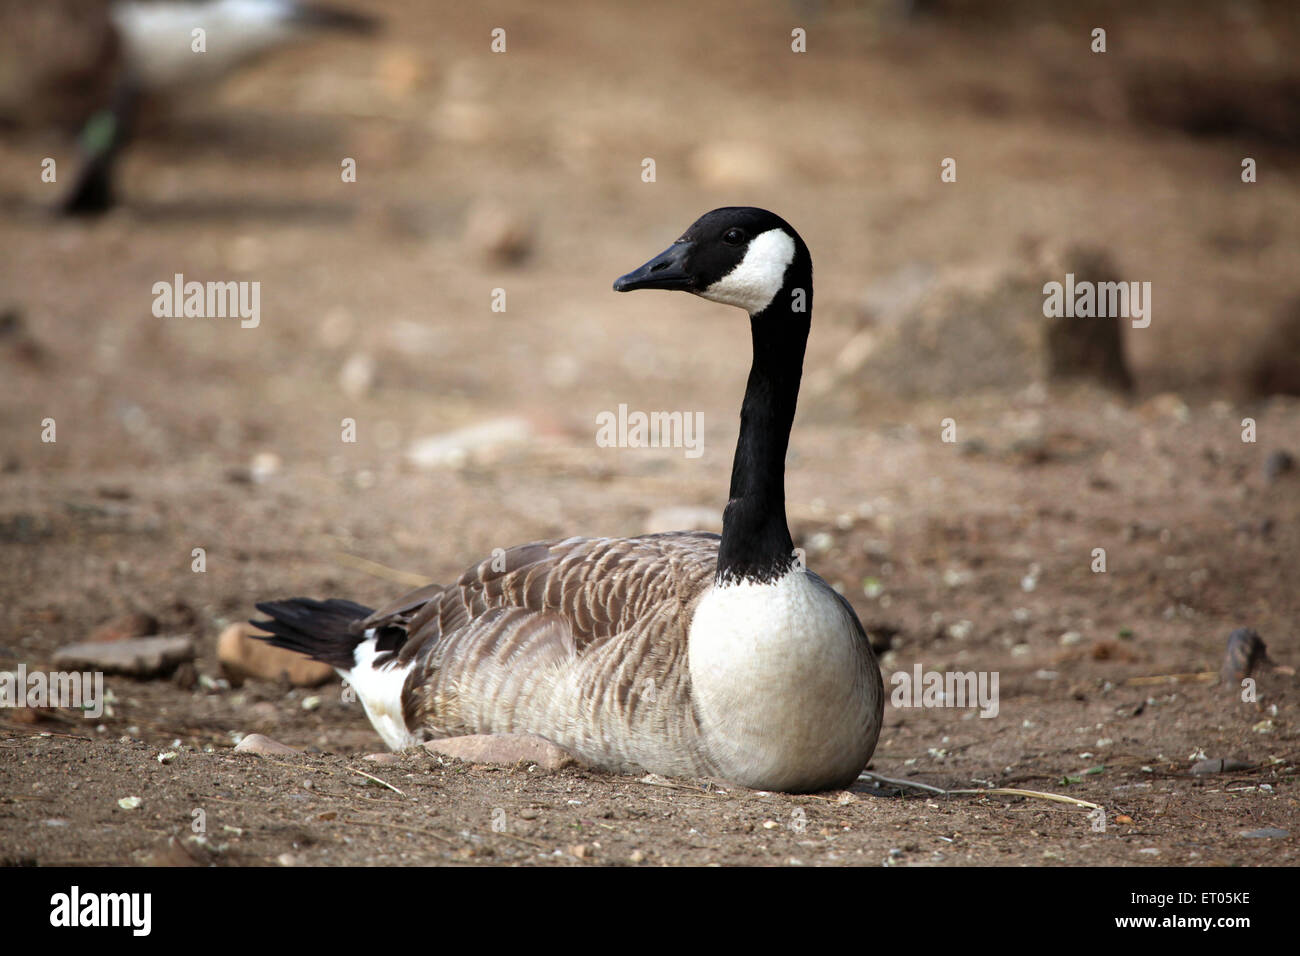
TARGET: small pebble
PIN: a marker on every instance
(1219, 765)
(264, 466)
(1246, 652)
(263, 745)
(357, 376)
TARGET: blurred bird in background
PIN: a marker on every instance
(66, 60)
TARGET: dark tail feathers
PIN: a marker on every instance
(322, 630)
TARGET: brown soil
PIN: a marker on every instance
(159, 419)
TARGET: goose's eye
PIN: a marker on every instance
(733, 237)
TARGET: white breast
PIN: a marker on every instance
(781, 686)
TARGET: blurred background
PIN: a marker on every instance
(523, 171)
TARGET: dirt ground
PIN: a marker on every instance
(974, 555)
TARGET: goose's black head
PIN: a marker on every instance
(737, 255)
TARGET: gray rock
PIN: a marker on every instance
(977, 328)
(1219, 765)
(135, 657)
(1246, 653)
(1267, 833)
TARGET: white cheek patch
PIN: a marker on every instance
(754, 283)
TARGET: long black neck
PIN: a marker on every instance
(756, 543)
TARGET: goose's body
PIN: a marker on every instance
(158, 35)
(685, 654)
(156, 56)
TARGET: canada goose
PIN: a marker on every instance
(685, 653)
(158, 55)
